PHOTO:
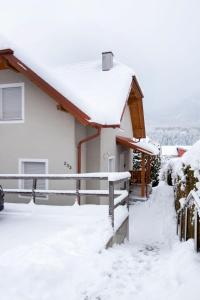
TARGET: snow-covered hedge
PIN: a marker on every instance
(183, 173)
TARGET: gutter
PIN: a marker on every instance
(85, 140)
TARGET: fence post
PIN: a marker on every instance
(186, 224)
(180, 225)
(111, 202)
(127, 188)
(78, 186)
(196, 230)
(34, 188)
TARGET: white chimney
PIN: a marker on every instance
(107, 60)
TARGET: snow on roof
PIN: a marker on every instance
(172, 150)
(144, 145)
(148, 145)
(190, 158)
(99, 94)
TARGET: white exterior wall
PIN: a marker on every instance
(46, 133)
(110, 148)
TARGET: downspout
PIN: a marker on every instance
(85, 140)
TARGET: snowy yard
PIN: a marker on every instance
(49, 253)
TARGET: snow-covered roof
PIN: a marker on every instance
(99, 94)
(172, 150)
(148, 145)
(144, 145)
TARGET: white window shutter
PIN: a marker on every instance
(11, 103)
(34, 168)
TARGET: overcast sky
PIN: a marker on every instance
(159, 39)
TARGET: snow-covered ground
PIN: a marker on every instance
(44, 257)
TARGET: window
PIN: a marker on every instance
(33, 166)
(111, 164)
(12, 102)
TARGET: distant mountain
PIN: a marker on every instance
(174, 135)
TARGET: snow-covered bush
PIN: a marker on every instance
(183, 173)
(155, 164)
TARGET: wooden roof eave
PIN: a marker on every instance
(135, 85)
(128, 143)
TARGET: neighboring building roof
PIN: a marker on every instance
(172, 150)
(94, 97)
(144, 145)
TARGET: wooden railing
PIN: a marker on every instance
(188, 225)
(116, 197)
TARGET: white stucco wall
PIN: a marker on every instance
(46, 133)
(123, 156)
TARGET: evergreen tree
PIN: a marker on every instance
(155, 164)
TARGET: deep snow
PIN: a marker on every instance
(153, 265)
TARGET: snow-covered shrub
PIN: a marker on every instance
(155, 164)
(183, 173)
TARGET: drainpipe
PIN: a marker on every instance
(85, 140)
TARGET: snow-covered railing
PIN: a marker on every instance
(116, 197)
(188, 217)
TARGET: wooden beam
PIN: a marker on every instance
(143, 175)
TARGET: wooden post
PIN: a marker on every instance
(196, 230)
(127, 183)
(34, 188)
(111, 202)
(78, 186)
(186, 224)
(143, 176)
(180, 225)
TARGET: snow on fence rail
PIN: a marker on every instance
(116, 197)
(188, 218)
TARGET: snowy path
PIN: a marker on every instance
(154, 265)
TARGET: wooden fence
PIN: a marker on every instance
(116, 197)
(188, 225)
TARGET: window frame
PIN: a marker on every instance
(21, 181)
(10, 85)
(111, 158)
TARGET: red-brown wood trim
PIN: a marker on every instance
(6, 51)
(143, 175)
(138, 86)
(128, 143)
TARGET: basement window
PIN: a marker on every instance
(33, 166)
(12, 103)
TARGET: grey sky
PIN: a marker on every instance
(159, 39)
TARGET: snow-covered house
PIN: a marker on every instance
(68, 119)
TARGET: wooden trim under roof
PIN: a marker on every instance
(129, 143)
(135, 104)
